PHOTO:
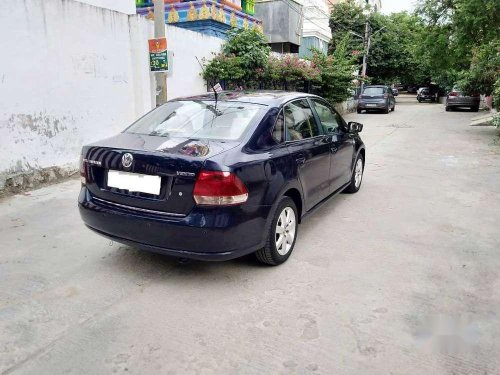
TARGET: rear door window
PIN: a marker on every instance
(299, 121)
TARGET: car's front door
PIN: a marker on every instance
(341, 144)
(309, 150)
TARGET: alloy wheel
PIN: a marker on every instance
(358, 173)
(285, 231)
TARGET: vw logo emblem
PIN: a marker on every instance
(127, 160)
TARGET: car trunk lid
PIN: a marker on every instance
(174, 163)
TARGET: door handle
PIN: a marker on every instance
(301, 160)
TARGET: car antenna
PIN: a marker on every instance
(216, 88)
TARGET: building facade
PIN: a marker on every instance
(282, 23)
(211, 17)
(316, 32)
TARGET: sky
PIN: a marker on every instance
(390, 6)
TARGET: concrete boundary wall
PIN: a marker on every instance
(72, 73)
(123, 6)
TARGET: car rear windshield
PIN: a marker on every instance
(198, 119)
(374, 91)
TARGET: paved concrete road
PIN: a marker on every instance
(401, 278)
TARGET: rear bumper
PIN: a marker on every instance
(205, 234)
(467, 102)
(427, 97)
(372, 105)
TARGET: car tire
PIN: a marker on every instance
(273, 254)
(475, 109)
(386, 110)
(448, 109)
(356, 178)
(419, 101)
(394, 108)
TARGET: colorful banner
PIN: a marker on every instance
(158, 56)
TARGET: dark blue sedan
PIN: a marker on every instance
(217, 179)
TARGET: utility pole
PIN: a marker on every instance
(366, 47)
(160, 77)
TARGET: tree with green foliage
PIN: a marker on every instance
(392, 56)
(244, 54)
(484, 69)
(459, 42)
(251, 46)
(335, 81)
(347, 18)
(445, 42)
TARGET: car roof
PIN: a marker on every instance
(264, 97)
(382, 86)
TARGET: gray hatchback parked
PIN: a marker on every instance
(456, 99)
(378, 98)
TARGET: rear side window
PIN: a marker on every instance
(299, 121)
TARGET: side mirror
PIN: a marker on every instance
(354, 127)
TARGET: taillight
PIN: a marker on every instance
(453, 93)
(215, 188)
(83, 171)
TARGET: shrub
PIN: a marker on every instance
(245, 61)
(336, 77)
(227, 69)
(496, 95)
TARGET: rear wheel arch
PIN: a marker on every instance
(294, 193)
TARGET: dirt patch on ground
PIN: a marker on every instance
(34, 179)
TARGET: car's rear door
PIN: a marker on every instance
(309, 150)
(341, 144)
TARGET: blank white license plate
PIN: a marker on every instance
(371, 105)
(135, 182)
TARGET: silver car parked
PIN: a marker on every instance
(456, 99)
